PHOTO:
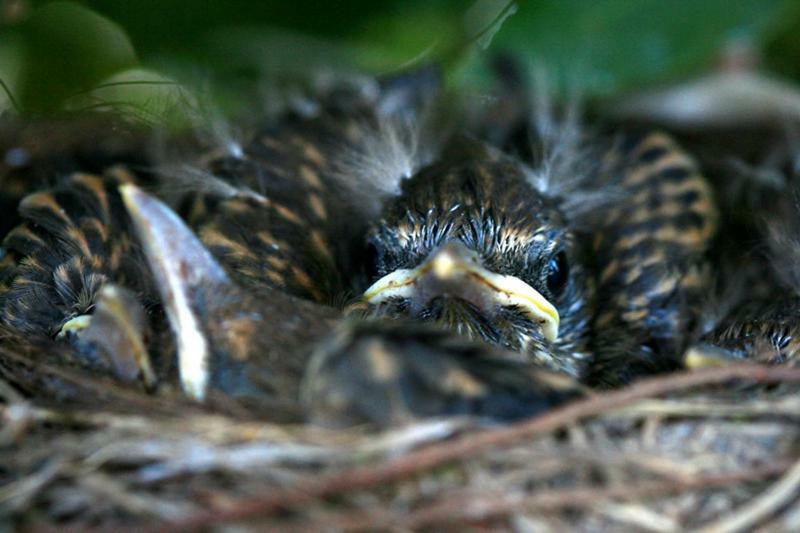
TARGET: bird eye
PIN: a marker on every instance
(557, 272)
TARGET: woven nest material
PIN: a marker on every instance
(716, 449)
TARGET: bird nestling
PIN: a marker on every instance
(258, 345)
(471, 245)
(373, 266)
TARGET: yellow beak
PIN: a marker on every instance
(454, 270)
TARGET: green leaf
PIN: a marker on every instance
(69, 49)
(611, 45)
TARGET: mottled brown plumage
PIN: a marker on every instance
(75, 239)
(505, 268)
(650, 252)
(264, 346)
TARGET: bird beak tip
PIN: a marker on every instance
(128, 191)
(550, 330)
(135, 200)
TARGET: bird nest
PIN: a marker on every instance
(715, 449)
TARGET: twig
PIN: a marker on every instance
(469, 508)
(459, 510)
(637, 516)
(774, 498)
(789, 406)
(9, 393)
(109, 489)
(94, 388)
(17, 494)
(475, 444)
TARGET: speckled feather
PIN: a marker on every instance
(75, 238)
(651, 259)
(305, 189)
(291, 224)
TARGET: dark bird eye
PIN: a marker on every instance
(557, 272)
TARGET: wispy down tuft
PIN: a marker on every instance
(566, 160)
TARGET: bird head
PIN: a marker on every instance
(472, 245)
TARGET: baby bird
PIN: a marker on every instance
(370, 270)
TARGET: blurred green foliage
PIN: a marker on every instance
(69, 48)
(52, 53)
